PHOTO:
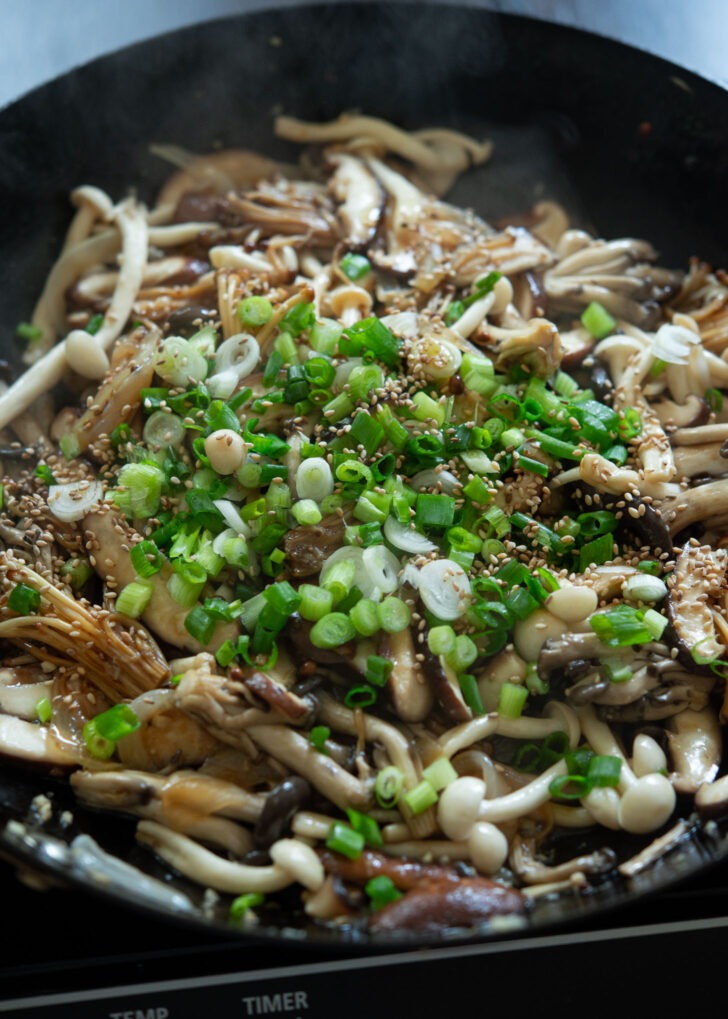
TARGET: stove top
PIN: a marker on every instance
(68, 953)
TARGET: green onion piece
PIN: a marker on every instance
(631, 424)
(226, 653)
(240, 906)
(134, 597)
(381, 891)
(298, 318)
(434, 511)
(117, 722)
(339, 578)
(453, 312)
(139, 489)
(324, 335)
(440, 773)
(24, 600)
(616, 671)
(441, 640)
(471, 693)
(604, 771)
(200, 624)
(255, 311)
(98, 747)
(427, 409)
(364, 380)
(655, 623)
(379, 670)
(45, 474)
(621, 626)
(316, 602)
(463, 653)
(370, 336)
(360, 696)
(596, 552)
(388, 787)
(186, 582)
(421, 797)
(29, 333)
(512, 700)
(43, 710)
(366, 826)
(146, 558)
(365, 617)
(355, 266)
(650, 566)
(597, 321)
(343, 839)
(478, 374)
(317, 738)
(570, 787)
(394, 614)
(714, 398)
(332, 630)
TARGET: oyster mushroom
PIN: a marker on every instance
(695, 588)
(695, 742)
(407, 685)
(619, 274)
(360, 198)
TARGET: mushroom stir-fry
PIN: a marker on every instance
(358, 548)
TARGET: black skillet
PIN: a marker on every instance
(627, 142)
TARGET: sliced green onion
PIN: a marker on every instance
(43, 710)
(317, 738)
(603, 771)
(365, 617)
(242, 905)
(441, 640)
(255, 311)
(388, 786)
(570, 787)
(512, 700)
(360, 696)
(621, 626)
(597, 321)
(471, 693)
(440, 773)
(134, 597)
(421, 797)
(117, 722)
(355, 266)
(332, 630)
(381, 891)
(343, 839)
(24, 600)
(99, 747)
(316, 602)
(394, 614)
(146, 558)
(379, 670)
(366, 826)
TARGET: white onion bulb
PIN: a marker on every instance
(74, 499)
(406, 538)
(445, 589)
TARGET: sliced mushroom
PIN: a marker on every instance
(695, 742)
(407, 685)
(435, 906)
(696, 583)
(360, 197)
(532, 871)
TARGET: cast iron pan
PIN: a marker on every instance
(630, 144)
